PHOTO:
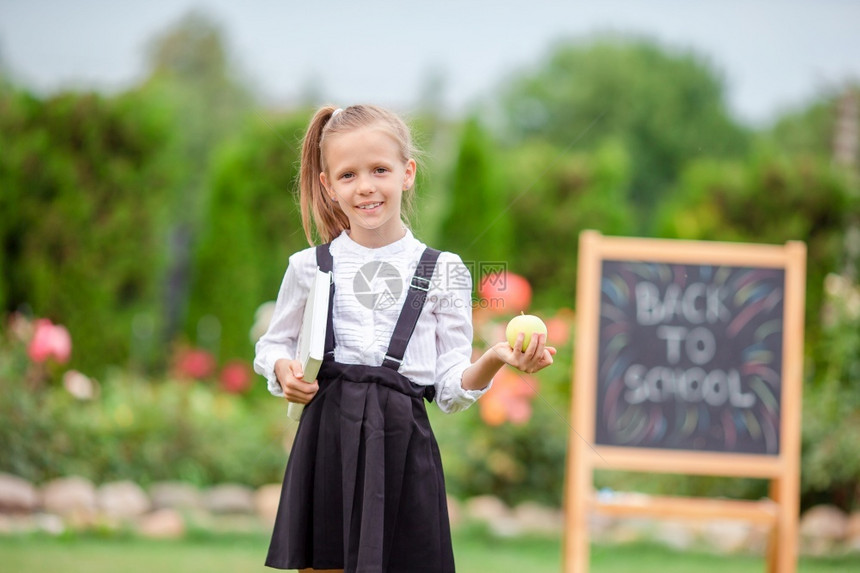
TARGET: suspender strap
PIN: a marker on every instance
(325, 263)
(415, 297)
(324, 260)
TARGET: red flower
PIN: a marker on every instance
(50, 341)
(196, 364)
(236, 377)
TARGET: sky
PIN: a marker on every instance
(773, 55)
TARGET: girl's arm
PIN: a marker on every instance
(459, 381)
(279, 341)
(452, 292)
(536, 357)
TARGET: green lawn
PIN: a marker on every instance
(476, 552)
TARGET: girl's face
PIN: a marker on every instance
(366, 175)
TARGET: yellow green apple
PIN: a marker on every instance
(528, 324)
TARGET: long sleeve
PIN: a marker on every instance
(453, 312)
(279, 340)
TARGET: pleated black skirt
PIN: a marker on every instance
(364, 489)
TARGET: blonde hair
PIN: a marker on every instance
(319, 213)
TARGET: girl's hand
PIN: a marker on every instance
(289, 374)
(536, 356)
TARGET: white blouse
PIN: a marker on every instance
(370, 288)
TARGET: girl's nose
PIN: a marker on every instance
(365, 184)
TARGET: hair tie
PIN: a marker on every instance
(335, 112)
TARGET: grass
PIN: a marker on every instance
(476, 551)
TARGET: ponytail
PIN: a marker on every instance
(319, 212)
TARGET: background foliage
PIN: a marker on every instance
(663, 107)
(82, 213)
(253, 225)
(162, 218)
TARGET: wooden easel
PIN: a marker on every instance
(780, 511)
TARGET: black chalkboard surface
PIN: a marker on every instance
(690, 357)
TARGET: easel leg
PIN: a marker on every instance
(783, 540)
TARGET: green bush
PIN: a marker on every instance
(253, 225)
(552, 197)
(770, 199)
(137, 429)
(81, 220)
(831, 417)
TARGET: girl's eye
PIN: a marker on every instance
(381, 169)
(346, 176)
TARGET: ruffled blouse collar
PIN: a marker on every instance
(346, 243)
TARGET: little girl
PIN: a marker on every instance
(364, 489)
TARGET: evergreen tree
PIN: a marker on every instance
(476, 225)
(253, 225)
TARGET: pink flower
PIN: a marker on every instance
(235, 377)
(50, 341)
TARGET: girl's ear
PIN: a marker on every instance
(409, 179)
(325, 183)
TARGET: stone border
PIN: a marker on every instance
(167, 510)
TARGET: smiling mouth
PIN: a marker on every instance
(369, 206)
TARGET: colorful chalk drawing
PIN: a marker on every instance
(690, 357)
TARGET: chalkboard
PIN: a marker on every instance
(690, 357)
(688, 360)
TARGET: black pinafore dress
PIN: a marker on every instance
(364, 490)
